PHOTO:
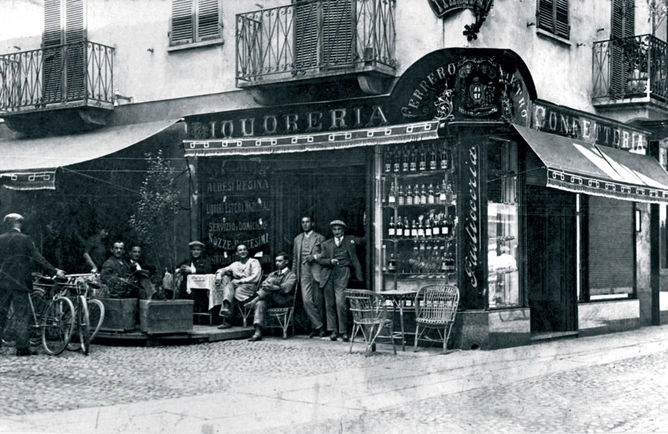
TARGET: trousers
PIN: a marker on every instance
(335, 299)
(266, 300)
(311, 295)
(20, 302)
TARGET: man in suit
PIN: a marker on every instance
(198, 263)
(143, 274)
(277, 290)
(18, 257)
(337, 256)
(307, 269)
(116, 274)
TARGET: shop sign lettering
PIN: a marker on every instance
(558, 120)
(472, 223)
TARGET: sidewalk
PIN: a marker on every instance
(326, 399)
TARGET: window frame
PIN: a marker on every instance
(196, 39)
(554, 22)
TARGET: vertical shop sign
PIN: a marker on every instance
(235, 208)
(472, 228)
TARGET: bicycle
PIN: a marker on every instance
(52, 316)
(89, 311)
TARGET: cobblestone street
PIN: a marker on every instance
(612, 383)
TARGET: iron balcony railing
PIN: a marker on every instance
(315, 36)
(633, 67)
(71, 74)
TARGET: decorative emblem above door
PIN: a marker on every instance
(480, 10)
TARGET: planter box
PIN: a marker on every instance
(160, 317)
(120, 314)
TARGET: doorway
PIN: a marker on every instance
(551, 259)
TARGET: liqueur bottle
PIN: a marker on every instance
(422, 160)
(391, 231)
(430, 194)
(436, 229)
(442, 198)
(449, 194)
(427, 229)
(433, 158)
(414, 229)
(444, 158)
(405, 159)
(407, 228)
(399, 228)
(423, 195)
(413, 159)
(388, 161)
(420, 229)
(392, 264)
(396, 162)
(401, 198)
(409, 196)
(445, 228)
(392, 195)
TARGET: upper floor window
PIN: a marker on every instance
(195, 21)
(553, 17)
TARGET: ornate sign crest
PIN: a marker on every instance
(477, 87)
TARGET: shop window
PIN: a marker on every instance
(195, 21)
(611, 261)
(553, 17)
(502, 225)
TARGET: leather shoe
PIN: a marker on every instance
(334, 336)
(345, 338)
(225, 311)
(225, 325)
(24, 352)
(317, 332)
(255, 338)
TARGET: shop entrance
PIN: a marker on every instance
(326, 185)
(551, 259)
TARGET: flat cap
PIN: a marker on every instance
(13, 217)
(196, 243)
(338, 223)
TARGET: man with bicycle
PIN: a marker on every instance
(18, 257)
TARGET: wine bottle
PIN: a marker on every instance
(433, 158)
(392, 264)
(444, 163)
(409, 196)
(407, 228)
(399, 228)
(449, 194)
(392, 195)
(391, 232)
(405, 159)
(430, 194)
(445, 229)
(441, 196)
(396, 163)
(401, 198)
(413, 159)
(414, 229)
(420, 230)
(427, 229)
(423, 195)
(422, 159)
(436, 229)
(388, 157)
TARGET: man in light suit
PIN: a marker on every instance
(337, 256)
(307, 269)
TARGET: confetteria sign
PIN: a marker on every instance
(555, 119)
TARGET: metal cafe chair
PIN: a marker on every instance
(246, 310)
(435, 308)
(369, 316)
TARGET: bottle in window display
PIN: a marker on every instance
(407, 228)
(391, 231)
(392, 264)
(449, 194)
(436, 228)
(422, 162)
(421, 232)
(401, 199)
(399, 228)
(414, 229)
(423, 195)
(445, 228)
(409, 196)
(405, 159)
(430, 194)
(388, 161)
(441, 193)
(396, 160)
(413, 162)
(444, 158)
(392, 195)
(427, 229)
(433, 158)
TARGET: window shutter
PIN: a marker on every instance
(337, 32)
(182, 31)
(75, 30)
(562, 28)
(75, 50)
(208, 20)
(307, 23)
(52, 28)
(545, 8)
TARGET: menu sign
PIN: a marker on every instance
(236, 208)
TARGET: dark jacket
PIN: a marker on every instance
(327, 253)
(18, 258)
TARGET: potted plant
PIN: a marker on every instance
(636, 55)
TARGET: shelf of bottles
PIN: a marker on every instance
(419, 212)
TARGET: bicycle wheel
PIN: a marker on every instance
(83, 325)
(57, 325)
(96, 316)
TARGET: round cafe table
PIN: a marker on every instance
(399, 297)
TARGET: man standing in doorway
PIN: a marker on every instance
(338, 255)
(307, 269)
(18, 256)
(238, 282)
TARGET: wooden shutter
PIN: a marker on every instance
(337, 32)
(208, 20)
(553, 17)
(52, 84)
(622, 26)
(307, 24)
(182, 25)
(75, 50)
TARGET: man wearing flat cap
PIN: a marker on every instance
(337, 257)
(18, 257)
(198, 263)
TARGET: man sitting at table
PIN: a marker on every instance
(116, 274)
(277, 290)
(238, 282)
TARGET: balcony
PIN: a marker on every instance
(70, 76)
(315, 41)
(630, 73)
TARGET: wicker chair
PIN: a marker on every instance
(435, 308)
(284, 317)
(370, 316)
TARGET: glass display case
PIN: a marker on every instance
(419, 215)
